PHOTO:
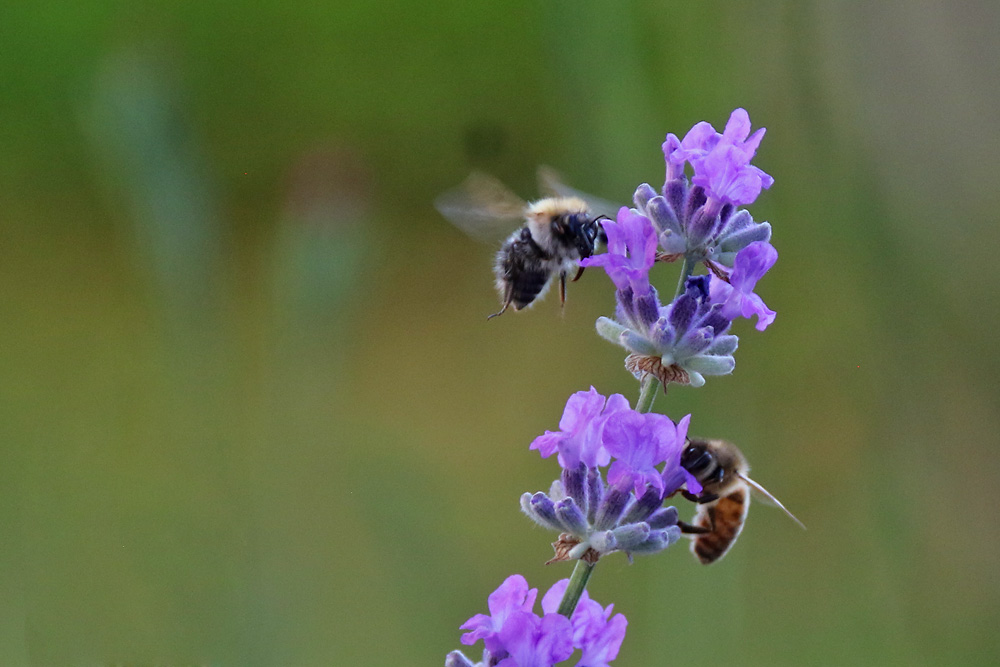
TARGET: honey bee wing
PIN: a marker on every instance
(550, 183)
(765, 497)
(482, 207)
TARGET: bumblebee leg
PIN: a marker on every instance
(500, 312)
(507, 298)
(688, 529)
(578, 273)
(562, 288)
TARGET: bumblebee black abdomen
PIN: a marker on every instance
(527, 286)
(522, 270)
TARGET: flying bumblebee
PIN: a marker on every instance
(725, 499)
(555, 234)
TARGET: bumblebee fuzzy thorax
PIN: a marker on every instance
(541, 214)
(550, 207)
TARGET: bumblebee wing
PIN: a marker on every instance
(550, 183)
(768, 499)
(482, 207)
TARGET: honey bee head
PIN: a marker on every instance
(717, 464)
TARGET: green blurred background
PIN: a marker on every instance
(252, 412)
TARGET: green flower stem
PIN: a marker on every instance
(577, 583)
(686, 272)
(647, 394)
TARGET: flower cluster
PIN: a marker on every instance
(687, 339)
(514, 636)
(626, 514)
(620, 464)
(699, 221)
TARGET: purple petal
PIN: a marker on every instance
(738, 297)
(737, 127)
(547, 444)
(553, 597)
(512, 596)
(631, 251)
(536, 642)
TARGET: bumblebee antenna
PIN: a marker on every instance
(602, 235)
(767, 494)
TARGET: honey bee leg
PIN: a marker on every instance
(714, 268)
(700, 499)
(688, 529)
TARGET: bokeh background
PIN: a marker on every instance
(251, 410)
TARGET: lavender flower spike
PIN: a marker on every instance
(721, 162)
(521, 638)
(701, 220)
(595, 520)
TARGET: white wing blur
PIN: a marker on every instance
(771, 500)
(550, 183)
(482, 207)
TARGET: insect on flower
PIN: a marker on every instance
(556, 232)
(725, 497)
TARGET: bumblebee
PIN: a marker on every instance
(555, 234)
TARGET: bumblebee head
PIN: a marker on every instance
(576, 230)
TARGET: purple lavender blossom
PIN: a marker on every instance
(596, 633)
(520, 638)
(721, 162)
(687, 341)
(512, 596)
(631, 251)
(639, 442)
(737, 296)
(700, 221)
(531, 641)
(594, 519)
(579, 436)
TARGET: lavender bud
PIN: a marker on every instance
(604, 541)
(644, 506)
(611, 508)
(658, 540)
(542, 510)
(675, 192)
(570, 517)
(573, 481)
(665, 517)
(642, 195)
(457, 659)
(595, 493)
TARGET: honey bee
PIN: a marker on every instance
(724, 500)
(555, 234)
